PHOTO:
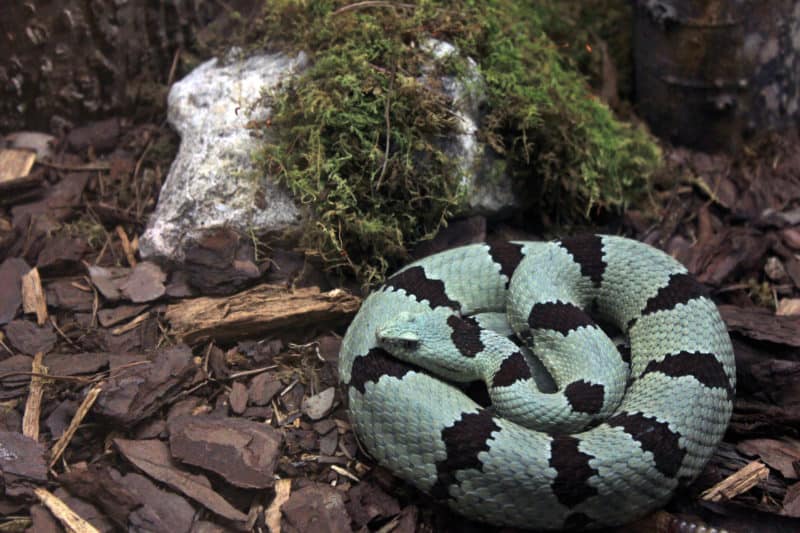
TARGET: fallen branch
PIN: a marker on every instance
(257, 311)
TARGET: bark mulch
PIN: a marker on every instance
(136, 396)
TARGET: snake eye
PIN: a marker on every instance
(409, 344)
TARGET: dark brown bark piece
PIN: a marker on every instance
(221, 262)
(61, 254)
(153, 458)
(109, 281)
(11, 272)
(87, 511)
(780, 454)
(59, 419)
(22, 463)
(324, 426)
(791, 502)
(114, 315)
(316, 508)
(15, 367)
(147, 385)
(95, 484)
(263, 388)
(58, 203)
(328, 443)
(243, 452)
(761, 324)
(145, 283)
(71, 364)
(102, 136)
(238, 398)
(42, 521)
(29, 338)
(64, 295)
(368, 502)
(161, 510)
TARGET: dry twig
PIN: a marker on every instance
(68, 518)
(737, 483)
(83, 410)
(33, 406)
(126, 246)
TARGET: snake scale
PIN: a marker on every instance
(611, 436)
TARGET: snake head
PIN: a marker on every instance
(425, 339)
(401, 334)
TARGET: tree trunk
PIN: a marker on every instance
(712, 72)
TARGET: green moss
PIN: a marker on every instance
(358, 136)
(85, 227)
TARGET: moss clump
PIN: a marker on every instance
(561, 143)
(358, 136)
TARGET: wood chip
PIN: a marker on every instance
(83, 410)
(33, 406)
(15, 164)
(126, 246)
(788, 307)
(11, 272)
(109, 280)
(761, 324)
(737, 483)
(283, 489)
(262, 309)
(781, 454)
(242, 452)
(113, 316)
(153, 458)
(33, 298)
(146, 283)
(68, 518)
(131, 325)
(344, 472)
(791, 501)
(319, 405)
(238, 398)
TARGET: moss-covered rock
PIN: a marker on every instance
(360, 133)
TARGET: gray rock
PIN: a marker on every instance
(488, 187)
(213, 182)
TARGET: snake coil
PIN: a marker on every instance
(619, 430)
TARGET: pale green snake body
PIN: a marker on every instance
(615, 439)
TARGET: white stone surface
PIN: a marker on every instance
(488, 188)
(213, 183)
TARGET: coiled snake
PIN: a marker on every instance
(612, 435)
